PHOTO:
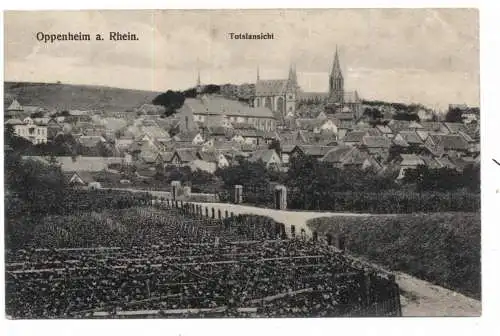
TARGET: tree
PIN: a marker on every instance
(373, 113)
(211, 88)
(40, 186)
(190, 93)
(38, 114)
(119, 133)
(170, 100)
(63, 113)
(454, 115)
(275, 144)
(406, 116)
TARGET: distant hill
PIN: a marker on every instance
(76, 97)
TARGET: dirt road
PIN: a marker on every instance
(297, 218)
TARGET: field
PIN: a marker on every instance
(159, 261)
(77, 97)
(442, 248)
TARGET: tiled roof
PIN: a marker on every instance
(91, 140)
(85, 176)
(411, 160)
(219, 130)
(455, 127)
(245, 147)
(166, 156)
(309, 123)
(14, 122)
(210, 156)
(148, 156)
(344, 116)
(432, 126)
(248, 132)
(186, 136)
(450, 141)
(155, 132)
(398, 125)
(337, 154)
(15, 106)
(315, 150)
(400, 142)
(431, 162)
(378, 141)
(186, 154)
(445, 162)
(294, 137)
(287, 148)
(262, 154)
(414, 125)
(212, 105)
(167, 123)
(354, 136)
(411, 137)
(203, 165)
(384, 129)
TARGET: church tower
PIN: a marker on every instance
(336, 92)
(291, 93)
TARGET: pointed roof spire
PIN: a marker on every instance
(292, 73)
(198, 80)
(336, 71)
(258, 75)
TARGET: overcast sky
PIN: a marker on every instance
(408, 55)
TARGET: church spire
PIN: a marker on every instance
(336, 81)
(198, 79)
(336, 71)
(292, 74)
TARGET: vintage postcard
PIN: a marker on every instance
(250, 163)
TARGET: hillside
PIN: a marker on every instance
(76, 97)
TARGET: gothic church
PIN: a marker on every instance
(282, 95)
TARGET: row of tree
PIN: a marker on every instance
(307, 175)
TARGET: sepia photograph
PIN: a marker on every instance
(242, 163)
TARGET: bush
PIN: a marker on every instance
(443, 248)
(386, 201)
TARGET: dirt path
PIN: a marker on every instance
(421, 298)
(297, 218)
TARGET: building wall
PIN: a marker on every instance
(34, 133)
